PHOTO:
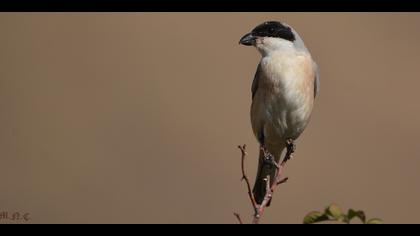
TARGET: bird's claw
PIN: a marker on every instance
(291, 148)
(268, 158)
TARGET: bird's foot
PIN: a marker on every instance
(268, 158)
(291, 148)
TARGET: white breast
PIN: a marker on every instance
(283, 101)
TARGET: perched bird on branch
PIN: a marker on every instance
(283, 92)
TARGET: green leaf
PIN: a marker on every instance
(375, 221)
(359, 214)
(334, 211)
(315, 217)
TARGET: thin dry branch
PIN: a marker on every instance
(278, 179)
(245, 178)
(239, 218)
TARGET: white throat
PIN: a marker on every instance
(269, 45)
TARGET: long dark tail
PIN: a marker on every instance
(264, 169)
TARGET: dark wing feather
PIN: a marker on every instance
(255, 81)
(317, 82)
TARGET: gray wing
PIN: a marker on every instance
(255, 81)
(317, 83)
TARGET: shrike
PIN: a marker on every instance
(283, 92)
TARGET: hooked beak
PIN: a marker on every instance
(247, 40)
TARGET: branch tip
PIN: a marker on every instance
(270, 187)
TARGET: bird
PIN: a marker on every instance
(283, 90)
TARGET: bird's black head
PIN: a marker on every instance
(273, 29)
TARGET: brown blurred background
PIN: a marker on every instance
(135, 118)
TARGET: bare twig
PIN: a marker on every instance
(266, 200)
(245, 177)
(278, 179)
(283, 181)
(239, 218)
(248, 184)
